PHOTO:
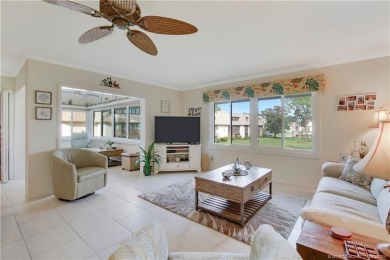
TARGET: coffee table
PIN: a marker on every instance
(236, 198)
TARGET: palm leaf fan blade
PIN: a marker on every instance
(95, 34)
(164, 25)
(72, 6)
(142, 42)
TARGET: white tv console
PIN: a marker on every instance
(178, 157)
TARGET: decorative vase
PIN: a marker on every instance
(248, 164)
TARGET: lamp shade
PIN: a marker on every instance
(376, 163)
(379, 115)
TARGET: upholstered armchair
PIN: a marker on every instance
(151, 243)
(78, 172)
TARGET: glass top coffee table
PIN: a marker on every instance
(236, 198)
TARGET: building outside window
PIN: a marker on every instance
(134, 123)
(73, 122)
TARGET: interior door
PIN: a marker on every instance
(4, 114)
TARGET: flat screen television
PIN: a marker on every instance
(177, 129)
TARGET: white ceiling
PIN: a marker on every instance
(236, 40)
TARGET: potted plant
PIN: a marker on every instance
(148, 157)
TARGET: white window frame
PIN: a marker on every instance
(254, 147)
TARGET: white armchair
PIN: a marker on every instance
(151, 243)
(78, 172)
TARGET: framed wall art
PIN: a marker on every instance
(42, 97)
(356, 102)
(43, 113)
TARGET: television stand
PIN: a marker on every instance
(178, 157)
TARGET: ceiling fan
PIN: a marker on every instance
(123, 14)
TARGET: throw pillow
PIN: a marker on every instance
(352, 176)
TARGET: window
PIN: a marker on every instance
(125, 122)
(106, 123)
(97, 123)
(134, 123)
(120, 115)
(270, 121)
(73, 122)
(282, 122)
(230, 122)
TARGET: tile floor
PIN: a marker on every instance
(93, 227)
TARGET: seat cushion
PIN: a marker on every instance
(346, 206)
(87, 173)
(345, 189)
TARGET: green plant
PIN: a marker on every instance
(109, 142)
(148, 156)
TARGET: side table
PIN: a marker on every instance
(315, 242)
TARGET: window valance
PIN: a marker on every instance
(283, 87)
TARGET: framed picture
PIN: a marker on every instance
(165, 106)
(342, 101)
(43, 113)
(42, 97)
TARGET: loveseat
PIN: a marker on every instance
(78, 172)
(341, 203)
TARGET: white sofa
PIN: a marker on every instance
(151, 243)
(341, 203)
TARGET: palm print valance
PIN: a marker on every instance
(283, 87)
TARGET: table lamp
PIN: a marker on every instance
(376, 163)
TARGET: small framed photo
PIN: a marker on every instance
(360, 99)
(43, 113)
(42, 97)
(341, 108)
(351, 98)
(351, 105)
(370, 97)
(361, 107)
(165, 106)
(370, 105)
(342, 101)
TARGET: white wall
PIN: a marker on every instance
(338, 129)
(20, 133)
(42, 138)
(7, 83)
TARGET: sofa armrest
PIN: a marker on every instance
(96, 159)
(332, 169)
(354, 224)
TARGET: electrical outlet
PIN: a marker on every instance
(342, 157)
(211, 158)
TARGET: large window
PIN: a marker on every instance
(284, 122)
(73, 122)
(125, 122)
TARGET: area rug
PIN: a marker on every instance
(281, 211)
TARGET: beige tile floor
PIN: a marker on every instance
(93, 227)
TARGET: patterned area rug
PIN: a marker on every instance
(281, 211)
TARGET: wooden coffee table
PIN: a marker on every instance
(236, 198)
